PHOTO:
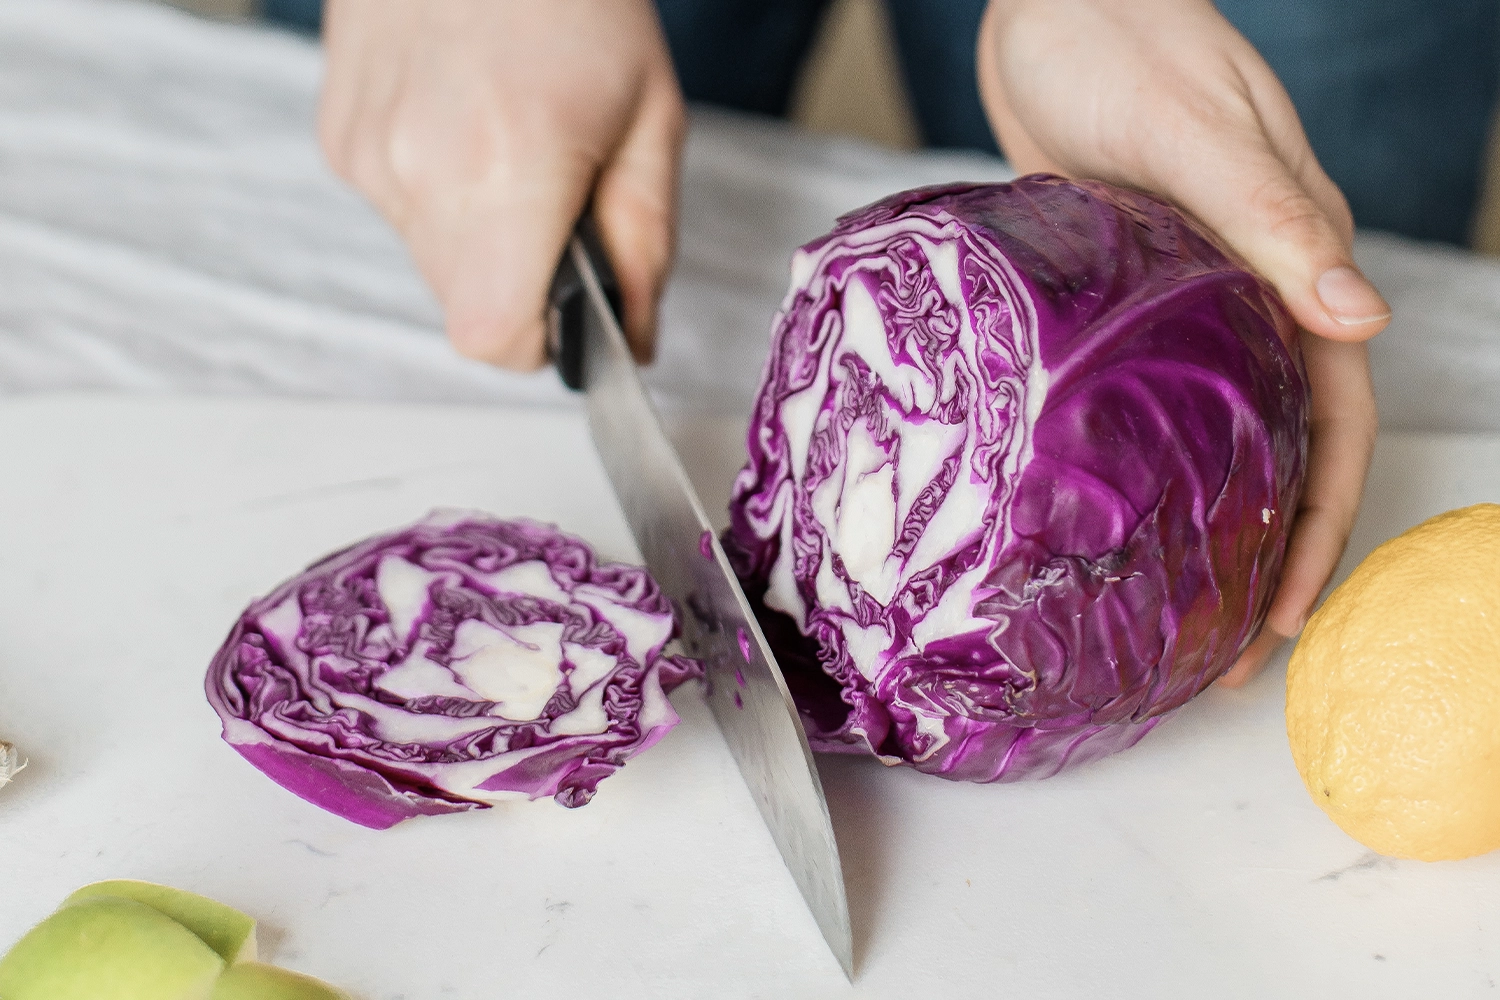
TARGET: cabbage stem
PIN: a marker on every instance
(10, 763)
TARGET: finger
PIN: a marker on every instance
(356, 106)
(1282, 127)
(635, 205)
(1245, 192)
(1016, 144)
(1254, 659)
(491, 266)
(339, 94)
(1344, 422)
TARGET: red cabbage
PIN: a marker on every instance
(448, 665)
(1021, 473)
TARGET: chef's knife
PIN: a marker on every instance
(747, 694)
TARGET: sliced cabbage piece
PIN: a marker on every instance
(448, 665)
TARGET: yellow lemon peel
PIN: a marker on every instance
(1393, 693)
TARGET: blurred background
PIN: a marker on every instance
(851, 84)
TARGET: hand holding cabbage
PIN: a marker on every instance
(1165, 96)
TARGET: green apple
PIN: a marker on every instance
(109, 949)
(254, 981)
(223, 928)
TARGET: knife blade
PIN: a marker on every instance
(747, 694)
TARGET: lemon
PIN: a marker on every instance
(1393, 693)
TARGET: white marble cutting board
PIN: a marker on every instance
(133, 531)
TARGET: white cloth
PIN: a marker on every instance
(167, 224)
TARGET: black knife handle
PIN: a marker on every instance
(568, 305)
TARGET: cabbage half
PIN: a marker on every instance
(455, 663)
(1021, 473)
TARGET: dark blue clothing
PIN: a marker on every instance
(746, 53)
(1397, 96)
(304, 15)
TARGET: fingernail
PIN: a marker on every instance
(1349, 298)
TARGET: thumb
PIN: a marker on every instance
(1289, 228)
(635, 205)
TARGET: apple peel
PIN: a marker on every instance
(226, 930)
(126, 939)
(109, 947)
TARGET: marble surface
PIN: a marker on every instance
(167, 227)
(1193, 865)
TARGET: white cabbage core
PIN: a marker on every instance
(887, 458)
